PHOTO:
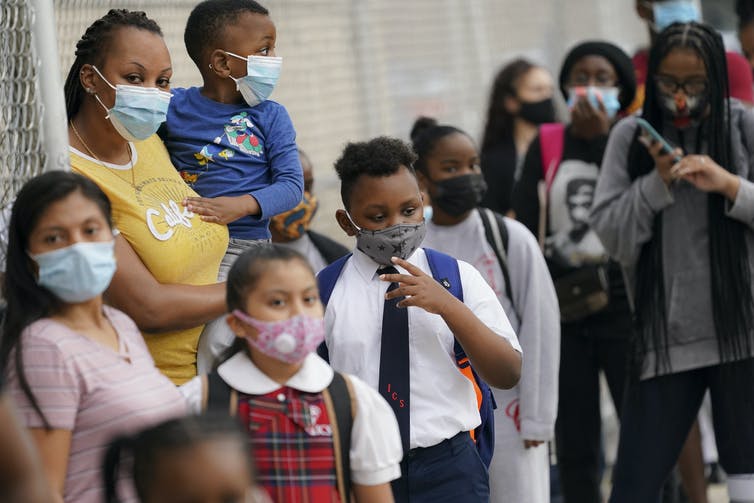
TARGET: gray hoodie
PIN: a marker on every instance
(623, 213)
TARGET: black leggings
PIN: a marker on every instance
(584, 351)
(657, 416)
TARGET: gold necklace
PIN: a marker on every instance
(91, 153)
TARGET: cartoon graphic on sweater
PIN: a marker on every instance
(237, 134)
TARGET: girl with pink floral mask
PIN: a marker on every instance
(316, 435)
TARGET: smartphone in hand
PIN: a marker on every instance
(650, 131)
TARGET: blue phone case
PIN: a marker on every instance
(647, 127)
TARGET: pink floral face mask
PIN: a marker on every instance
(290, 340)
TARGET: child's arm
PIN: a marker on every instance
(539, 334)
(491, 355)
(382, 493)
(222, 210)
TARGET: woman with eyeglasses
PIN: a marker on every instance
(681, 223)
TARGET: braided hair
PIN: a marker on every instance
(93, 46)
(499, 126)
(732, 302)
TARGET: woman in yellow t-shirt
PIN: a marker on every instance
(117, 93)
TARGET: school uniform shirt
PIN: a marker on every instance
(94, 392)
(528, 410)
(224, 149)
(176, 245)
(376, 449)
(442, 400)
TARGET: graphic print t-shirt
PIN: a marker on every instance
(571, 242)
(174, 244)
(231, 150)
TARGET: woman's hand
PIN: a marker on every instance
(706, 175)
(222, 210)
(663, 161)
(420, 289)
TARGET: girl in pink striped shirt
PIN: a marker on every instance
(78, 370)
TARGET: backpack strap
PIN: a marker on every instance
(220, 396)
(551, 141)
(326, 280)
(496, 233)
(445, 270)
(341, 409)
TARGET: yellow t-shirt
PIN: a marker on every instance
(174, 244)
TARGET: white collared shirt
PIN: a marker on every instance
(442, 400)
(376, 449)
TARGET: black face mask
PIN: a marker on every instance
(538, 112)
(455, 196)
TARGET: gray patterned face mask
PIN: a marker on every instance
(400, 240)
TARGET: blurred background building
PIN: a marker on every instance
(352, 69)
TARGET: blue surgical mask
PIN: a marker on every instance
(608, 96)
(674, 11)
(262, 73)
(78, 272)
(138, 111)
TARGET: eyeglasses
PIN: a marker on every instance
(693, 86)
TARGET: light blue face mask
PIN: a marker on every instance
(607, 95)
(78, 272)
(674, 11)
(262, 73)
(138, 111)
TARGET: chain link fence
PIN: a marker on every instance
(21, 149)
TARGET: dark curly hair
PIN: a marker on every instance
(144, 450)
(381, 156)
(92, 48)
(208, 20)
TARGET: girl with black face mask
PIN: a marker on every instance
(520, 100)
(683, 232)
(448, 170)
(553, 198)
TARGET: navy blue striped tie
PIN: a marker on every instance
(394, 382)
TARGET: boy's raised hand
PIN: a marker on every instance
(222, 210)
(420, 289)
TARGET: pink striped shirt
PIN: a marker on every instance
(89, 389)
